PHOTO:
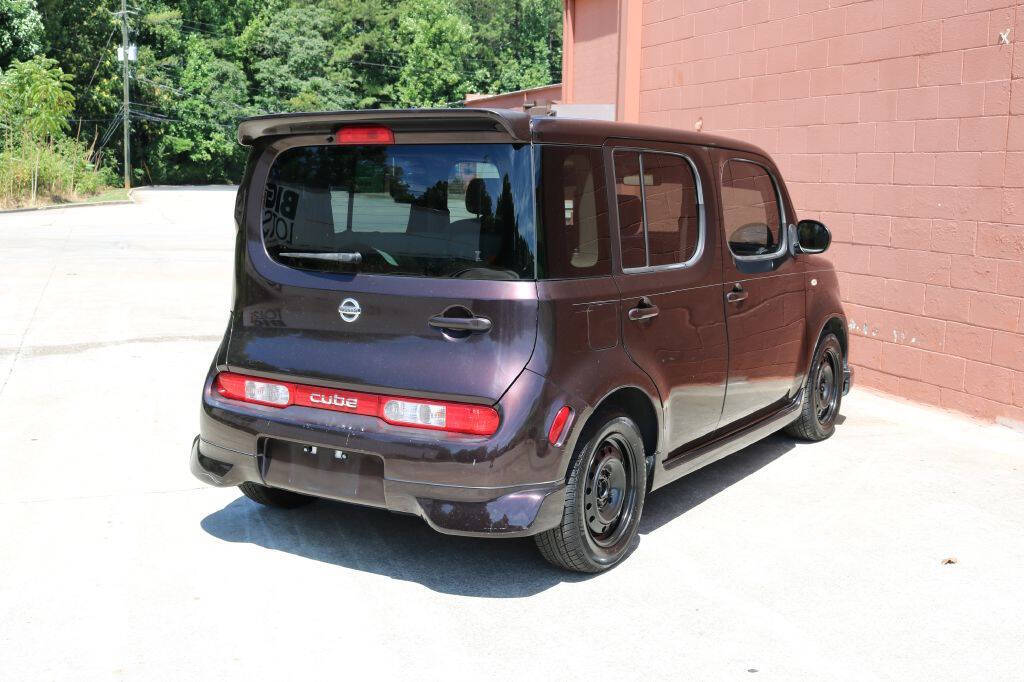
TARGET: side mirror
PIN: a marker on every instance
(812, 236)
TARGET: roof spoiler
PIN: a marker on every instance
(515, 124)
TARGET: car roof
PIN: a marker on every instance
(517, 126)
(593, 132)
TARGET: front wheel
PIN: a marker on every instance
(603, 500)
(822, 393)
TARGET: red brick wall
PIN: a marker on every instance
(900, 123)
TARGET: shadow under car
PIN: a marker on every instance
(405, 548)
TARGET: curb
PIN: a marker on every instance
(78, 204)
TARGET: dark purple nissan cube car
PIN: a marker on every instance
(512, 326)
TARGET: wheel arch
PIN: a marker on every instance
(637, 404)
(837, 325)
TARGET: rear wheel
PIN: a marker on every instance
(822, 394)
(274, 497)
(603, 500)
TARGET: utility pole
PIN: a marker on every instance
(127, 111)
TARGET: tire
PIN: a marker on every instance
(274, 497)
(822, 394)
(611, 459)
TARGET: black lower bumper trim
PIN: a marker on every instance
(214, 466)
(222, 467)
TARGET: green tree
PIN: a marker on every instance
(81, 36)
(292, 56)
(205, 64)
(21, 31)
(188, 92)
(519, 42)
(35, 100)
(196, 140)
(436, 42)
(366, 40)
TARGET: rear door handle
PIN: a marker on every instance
(644, 310)
(468, 324)
(736, 295)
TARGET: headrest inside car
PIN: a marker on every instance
(478, 200)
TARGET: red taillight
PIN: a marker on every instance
(558, 425)
(478, 420)
(254, 390)
(364, 135)
(460, 418)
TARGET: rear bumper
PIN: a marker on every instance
(510, 484)
(455, 510)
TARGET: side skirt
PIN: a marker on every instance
(688, 461)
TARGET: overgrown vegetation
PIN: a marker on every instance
(37, 158)
(204, 64)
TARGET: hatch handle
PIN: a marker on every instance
(466, 324)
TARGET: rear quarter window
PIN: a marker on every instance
(574, 212)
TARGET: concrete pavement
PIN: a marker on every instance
(783, 561)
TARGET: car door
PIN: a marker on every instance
(669, 276)
(763, 288)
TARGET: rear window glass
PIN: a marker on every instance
(574, 214)
(441, 210)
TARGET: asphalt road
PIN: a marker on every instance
(783, 561)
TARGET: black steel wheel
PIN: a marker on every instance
(604, 498)
(822, 394)
(608, 498)
(827, 386)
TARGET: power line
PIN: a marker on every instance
(202, 23)
(198, 96)
(204, 31)
(109, 132)
(159, 119)
(103, 53)
(396, 53)
(176, 91)
(151, 116)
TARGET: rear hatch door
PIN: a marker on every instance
(388, 260)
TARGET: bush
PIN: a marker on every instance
(37, 158)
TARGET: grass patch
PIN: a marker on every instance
(54, 200)
(116, 194)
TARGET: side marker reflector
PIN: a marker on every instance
(558, 425)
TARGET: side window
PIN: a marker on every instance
(629, 196)
(673, 217)
(572, 196)
(659, 217)
(750, 209)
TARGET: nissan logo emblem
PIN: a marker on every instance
(349, 310)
